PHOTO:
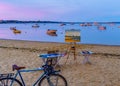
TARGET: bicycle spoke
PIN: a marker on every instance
(9, 82)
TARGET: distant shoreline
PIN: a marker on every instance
(66, 22)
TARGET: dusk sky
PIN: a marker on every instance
(60, 10)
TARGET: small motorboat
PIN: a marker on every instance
(86, 24)
(12, 28)
(16, 31)
(35, 26)
(51, 32)
(62, 24)
(101, 27)
(118, 26)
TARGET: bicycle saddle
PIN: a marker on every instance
(15, 67)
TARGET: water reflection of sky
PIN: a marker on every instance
(89, 34)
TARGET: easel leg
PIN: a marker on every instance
(73, 48)
(67, 56)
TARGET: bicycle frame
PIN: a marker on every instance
(18, 73)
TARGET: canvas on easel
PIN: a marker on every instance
(72, 36)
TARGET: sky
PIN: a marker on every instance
(61, 10)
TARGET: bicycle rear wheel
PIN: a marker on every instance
(53, 80)
(10, 82)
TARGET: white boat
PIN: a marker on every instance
(35, 26)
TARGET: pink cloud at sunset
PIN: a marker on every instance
(16, 12)
(61, 10)
(5, 7)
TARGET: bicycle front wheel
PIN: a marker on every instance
(10, 82)
(53, 80)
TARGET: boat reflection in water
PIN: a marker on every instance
(51, 32)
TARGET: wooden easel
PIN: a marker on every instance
(72, 36)
(71, 49)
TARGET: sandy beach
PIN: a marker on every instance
(103, 71)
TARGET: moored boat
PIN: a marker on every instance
(51, 31)
(12, 28)
(62, 24)
(101, 27)
(16, 31)
(35, 26)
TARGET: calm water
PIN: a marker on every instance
(89, 34)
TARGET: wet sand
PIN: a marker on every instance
(104, 70)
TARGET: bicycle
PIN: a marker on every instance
(49, 77)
